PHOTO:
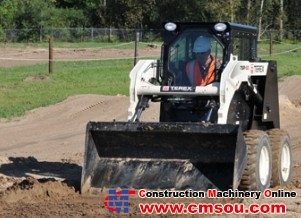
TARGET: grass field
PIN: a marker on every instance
(287, 55)
(19, 93)
(21, 88)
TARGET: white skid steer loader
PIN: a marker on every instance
(223, 135)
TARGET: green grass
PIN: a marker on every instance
(288, 65)
(18, 95)
(287, 55)
(110, 77)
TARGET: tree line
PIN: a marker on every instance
(147, 14)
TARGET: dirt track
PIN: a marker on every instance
(41, 156)
(16, 57)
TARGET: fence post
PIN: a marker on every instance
(50, 54)
(271, 44)
(136, 47)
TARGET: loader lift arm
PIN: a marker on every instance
(141, 106)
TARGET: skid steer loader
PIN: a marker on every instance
(225, 135)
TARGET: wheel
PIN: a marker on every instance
(282, 157)
(258, 171)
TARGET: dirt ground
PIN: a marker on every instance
(41, 154)
(15, 57)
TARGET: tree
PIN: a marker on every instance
(32, 14)
(293, 11)
(128, 13)
(260, 18)
(30, 17)
(268, 16)
(8, 9)
(42, 14)
(173, 10)
(224, 10)
(281, 19)
(88, 10)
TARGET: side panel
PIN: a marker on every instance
(271, 99)
(245, 85)
(266, 115)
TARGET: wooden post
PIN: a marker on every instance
(271, 44)
(50, 54)
(136, 48)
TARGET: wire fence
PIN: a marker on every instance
(79, 35)
(113, 35)
(122, 48)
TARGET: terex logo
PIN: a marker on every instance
(118, 201)
(177, 89)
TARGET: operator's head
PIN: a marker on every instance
(202, 48)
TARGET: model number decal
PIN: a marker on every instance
(253, 68)
(258, 68)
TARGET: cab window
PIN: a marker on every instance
(181, 52)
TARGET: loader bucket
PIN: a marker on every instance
(162, 156)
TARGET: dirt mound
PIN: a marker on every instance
(290, 112)
(47, 197)
(21, 167)
(31, 190)
(37, 78)
(290, 87)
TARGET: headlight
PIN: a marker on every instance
(170, 26)
(220, 27)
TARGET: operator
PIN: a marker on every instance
(202, 70)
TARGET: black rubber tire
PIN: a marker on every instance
(258, 149)
(281, 147)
